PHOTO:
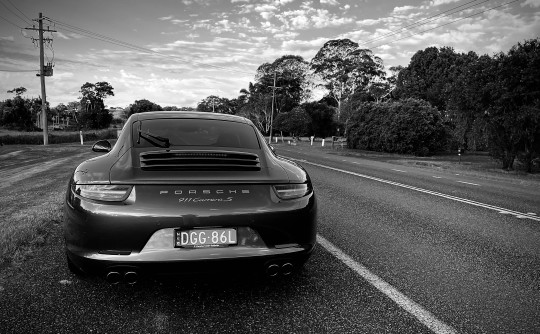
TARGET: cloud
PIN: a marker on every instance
(61, 35)
(61, 75)
(165, 18)
(442, 2)
(177, 21)
(532, 3)
(403, 9)
(7, 38)
(330, 2)
(265, 8)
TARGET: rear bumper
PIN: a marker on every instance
(239, 261)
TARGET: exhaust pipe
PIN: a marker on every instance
(131, 277)
(272, 270)
(287, 268)
(113, 277)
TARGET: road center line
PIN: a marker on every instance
(472, 184)
(430, 192)
(399, 170)
(423, 315)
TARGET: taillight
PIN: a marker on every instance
(104, 192)
(291, 191)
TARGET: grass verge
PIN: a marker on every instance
(55, 137)
(31, 195)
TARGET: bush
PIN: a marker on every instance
(408, 126)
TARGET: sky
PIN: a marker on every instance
(178, 52)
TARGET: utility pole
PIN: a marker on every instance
(272, 114)
(43, 72)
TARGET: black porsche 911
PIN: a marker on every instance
(188, 193)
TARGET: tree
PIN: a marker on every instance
(405, 126)
(218, 104)
(467, 99)
(345, 68)
(295, 122)
(93, 114)
(427, 75)
(292, 78)
(140, 106)
(513, 117)
(322, 119)
(16, 113)
(257, 108)
(18, 91)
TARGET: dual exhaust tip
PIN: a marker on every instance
(275, 269)
(115, 277)
(132, 277)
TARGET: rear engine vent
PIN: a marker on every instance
(199, 161)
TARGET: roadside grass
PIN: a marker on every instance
(34, 180)
(10, 137)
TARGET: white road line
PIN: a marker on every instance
(472, 184)
(434, 193)
(423, 315)
(399, 170)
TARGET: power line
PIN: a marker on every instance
(1, 70)
(29, 19)
(425, 21)
(8, 21)
(442, 25)
(107, 39)
(26, 22)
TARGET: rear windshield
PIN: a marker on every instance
(194, 132)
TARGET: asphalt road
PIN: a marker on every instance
(401, 251)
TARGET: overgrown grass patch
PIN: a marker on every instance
(31, 196)
(27, 229)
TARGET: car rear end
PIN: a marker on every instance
(229, 206)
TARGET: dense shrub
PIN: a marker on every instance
(407, 126)
(296, 122)
(57, 138)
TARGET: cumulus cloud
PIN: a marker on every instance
(403, 9)
(7, 38)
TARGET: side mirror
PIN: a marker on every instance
(102, 146)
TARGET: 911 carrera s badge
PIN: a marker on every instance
(203, 200)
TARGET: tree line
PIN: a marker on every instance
(441, 101)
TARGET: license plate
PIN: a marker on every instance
(216, 237)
